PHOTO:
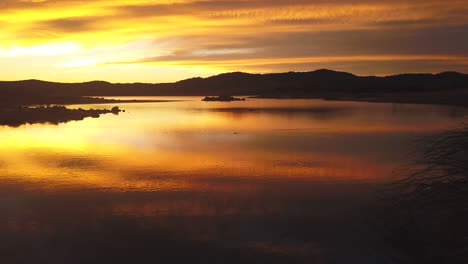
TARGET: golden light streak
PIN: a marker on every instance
(233, 65)
(225, 29)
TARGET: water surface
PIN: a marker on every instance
(260, 181)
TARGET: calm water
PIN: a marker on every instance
(260, 181)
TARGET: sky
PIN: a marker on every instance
(169, 40)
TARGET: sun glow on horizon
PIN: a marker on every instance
(160, 41)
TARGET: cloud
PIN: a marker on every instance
(449, 42)
(75, 24)
(236, 34)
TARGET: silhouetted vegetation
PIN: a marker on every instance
(427, 212)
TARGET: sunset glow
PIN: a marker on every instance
(166, 40)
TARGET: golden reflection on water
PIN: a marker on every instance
(268, 178)
(182, 145)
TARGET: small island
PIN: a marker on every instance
(223, 98)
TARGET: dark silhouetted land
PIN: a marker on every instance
(449, 88)
(443, 88)
(16, 116)
(222, 99)
(19, 109)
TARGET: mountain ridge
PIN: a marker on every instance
(241, 83)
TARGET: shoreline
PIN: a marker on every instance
(53, 110)
(17, 116)
(111, 101)
(453, 98)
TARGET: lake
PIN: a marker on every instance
(260, 181)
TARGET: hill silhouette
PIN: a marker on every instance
(239, 83)
(436, 88)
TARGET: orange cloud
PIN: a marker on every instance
(191, 38)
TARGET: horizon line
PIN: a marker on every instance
(198, 77)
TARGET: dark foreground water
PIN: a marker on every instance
(260, 181)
